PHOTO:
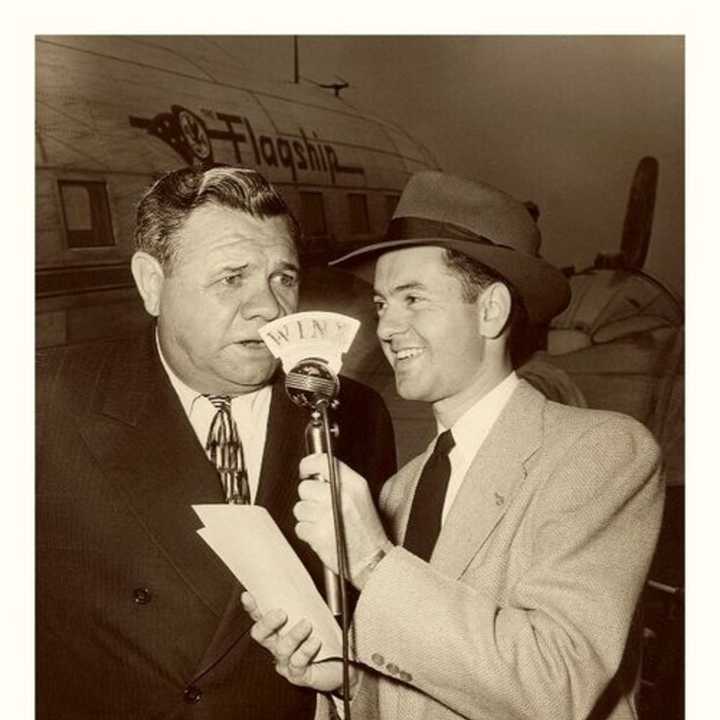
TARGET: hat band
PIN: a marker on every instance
(416, 228)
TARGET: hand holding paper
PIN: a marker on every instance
(295, 649)
(249, 542)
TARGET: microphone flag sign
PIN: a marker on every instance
(324, 336)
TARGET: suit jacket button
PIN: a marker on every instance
(393, 669)
(192, 694)
(142, 596)
(405, 676)
(378, 659)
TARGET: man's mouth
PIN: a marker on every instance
(406, 354)
(252, 344)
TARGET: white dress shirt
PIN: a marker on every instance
(470, 432)
(250, 412)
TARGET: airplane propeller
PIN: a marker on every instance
(639, 215)
(638, 221)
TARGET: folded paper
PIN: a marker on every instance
(249, 542)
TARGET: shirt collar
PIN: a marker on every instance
(472, 427)
(187, 395)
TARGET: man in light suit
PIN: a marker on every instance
(520, 540)
(136, 616)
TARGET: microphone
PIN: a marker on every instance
(310, 346)
(311, 382)
(313, 385)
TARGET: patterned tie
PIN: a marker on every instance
(225, 450)
(426, 512)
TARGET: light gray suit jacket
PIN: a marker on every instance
(527, 608)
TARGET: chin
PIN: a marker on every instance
(251, 376)
(409, 392)
(261, 376)
(256, 380)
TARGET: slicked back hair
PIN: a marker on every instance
(168, 203)
(476, 277)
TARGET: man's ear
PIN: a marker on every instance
(149, 278)
(494, 305)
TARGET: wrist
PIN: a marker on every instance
(368, 566)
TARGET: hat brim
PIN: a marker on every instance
(543, 288)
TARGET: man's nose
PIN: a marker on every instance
(263, 304)
(391, 322)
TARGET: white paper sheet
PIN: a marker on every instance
(249, 542)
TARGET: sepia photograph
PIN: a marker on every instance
(359, 376)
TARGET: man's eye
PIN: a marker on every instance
(379, 306)
(288, 280)
(232, 280)
(412, 299)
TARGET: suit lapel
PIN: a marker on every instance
(496, 472)
(399, 502)
(147, 448)
(284, 448)
(234, 624)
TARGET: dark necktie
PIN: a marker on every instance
(225, 450)
(426, 512)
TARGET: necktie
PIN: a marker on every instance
(427, 505)
(225, 450)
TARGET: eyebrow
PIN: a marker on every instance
(230, 268)
(240, 268)
(416, 285)
(285, 265)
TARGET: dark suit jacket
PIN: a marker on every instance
(136, 616)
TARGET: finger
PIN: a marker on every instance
(314, 491)
(313, 465)
(265, 630)
(304, 530)
(307, 511)
(317, 477)
(290, 642)
(251, 607)
(303, 656)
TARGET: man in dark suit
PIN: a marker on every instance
(136, 616)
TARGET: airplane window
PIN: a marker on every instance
(359, 220)
(86, 214)
(313, 214)
(76, 201)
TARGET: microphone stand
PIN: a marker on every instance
(316, 442)
(312, 384)
(318, 436)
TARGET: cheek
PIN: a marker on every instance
(194, 321)
(461, 350)
(471, 357)
(289, 299)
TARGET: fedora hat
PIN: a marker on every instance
(479, 221)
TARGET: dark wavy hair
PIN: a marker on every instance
(168, 203)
